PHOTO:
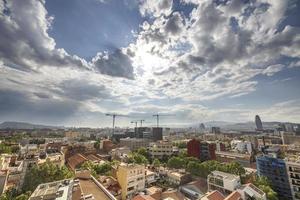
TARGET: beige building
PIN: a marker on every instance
(161, 149)
(178, 177)
(72, 134)
(134, 143)
(131, 178)
(293, 170)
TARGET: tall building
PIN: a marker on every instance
(275, 170)
(157, 133)
(140, 130)
(258, 123)
(216, 130)
(131, 178)
(293, 170)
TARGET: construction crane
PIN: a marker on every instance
(158, 115)
(114, 119)
(141, 122)
(134, 122)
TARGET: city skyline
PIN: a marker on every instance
(70, 62)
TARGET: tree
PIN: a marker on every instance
(156, 163)
(265, 185)
(97, 145)
(137, 158)
(176, 162)
(103, 168)
(44, 173)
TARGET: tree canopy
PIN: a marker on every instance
(44, 173)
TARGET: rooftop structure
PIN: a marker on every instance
(83, 188)
(223, 182)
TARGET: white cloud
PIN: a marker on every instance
(215, 52)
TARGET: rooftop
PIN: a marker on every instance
(225, 175)
(88, 186)
(214, 195)
(234, 196)
(75, 160)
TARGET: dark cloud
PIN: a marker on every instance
(82, 90)
(116, 64)
(174, 24)
(15, 105)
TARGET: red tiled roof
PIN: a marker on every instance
(143, 197)
(234, 196)
(76, 160)
(215, 195)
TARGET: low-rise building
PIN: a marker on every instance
(82, 187)
(150, 177)
(75, 161)
(119, 153)
(131, 178)
(57, 158)
(223, 182)
(250, 191)
(246, 160)
(134, 143)
(178, 177)
(161, 149)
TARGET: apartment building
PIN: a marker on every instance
(134, 143)
(223, 182)
(201, 150)
(293, 171)
(161, 149)
(275, 170)
(246, 160)
(131, 178)
(83, 186)
(178, 177)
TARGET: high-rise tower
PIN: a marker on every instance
(258, 123)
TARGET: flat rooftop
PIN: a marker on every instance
(88, 186)
(225, 175)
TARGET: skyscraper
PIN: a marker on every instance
(258, 123)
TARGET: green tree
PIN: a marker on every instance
(176, 162)
(156, 163)
(97, 145)
(103, 168)
(265, 185)
(137, 158)
(46, 172)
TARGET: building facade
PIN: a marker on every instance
(275, 170)
(131, 178)
(201, 150)
(223, 182)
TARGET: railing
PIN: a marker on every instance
(109, 195)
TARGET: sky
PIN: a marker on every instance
(70, 62)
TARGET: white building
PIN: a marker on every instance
(119, 153)
(223, 182)
(241, 146)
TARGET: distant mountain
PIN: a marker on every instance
(24, 125)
